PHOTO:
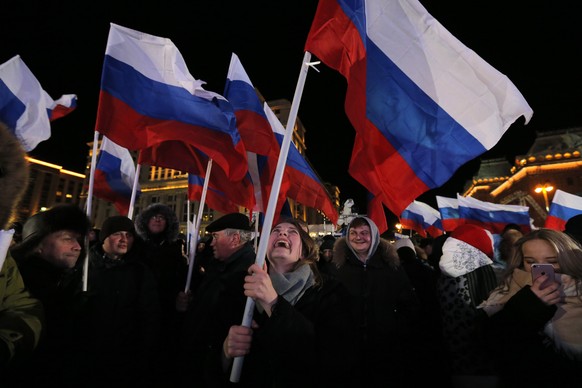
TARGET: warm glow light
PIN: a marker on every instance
(545, 189)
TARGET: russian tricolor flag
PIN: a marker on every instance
(25, 107)
(148, 96)
(449, 210)
(115, 176)
(305, 186)
(564, 206)
(184, 157)
(256, 133)
(422, 218)
(215, 198)
(421, 102)
(491, 216)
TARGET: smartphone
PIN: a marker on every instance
(538, 270)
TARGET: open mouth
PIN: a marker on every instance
(281, 244)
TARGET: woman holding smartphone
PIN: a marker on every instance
(534, 321)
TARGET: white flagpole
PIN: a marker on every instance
(268, 221)
(256, 218)
(192, 253)
(134, 191)
(89, 205)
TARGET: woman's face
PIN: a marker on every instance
(285, 247)
(360, 238)
(539, 251)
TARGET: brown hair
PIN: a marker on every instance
(309, 249)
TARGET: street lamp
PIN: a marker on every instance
(398, 228)
(545, 189)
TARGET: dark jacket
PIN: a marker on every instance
(522, 354)
(218, 302)
(311, 344)
(123, 318)
(60, 291)
(163, 254)
(386, 310)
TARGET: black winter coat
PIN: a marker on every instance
(522, 353)
(59, 348)
(311, 344)
(124, 318)
(218, 302)
(386, 311)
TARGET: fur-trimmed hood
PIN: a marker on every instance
(385, 252)
(172, 224)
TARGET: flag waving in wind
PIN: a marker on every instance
(564, 206)
(422, 218)
(256, 133)
(114, 175)
(305, 186)
(491, 216)
(24, 105)
(449, 210)
(421, 102)
(148, 96)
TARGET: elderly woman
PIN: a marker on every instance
(301, 333)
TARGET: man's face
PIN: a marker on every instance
(224, 245)
(118, 244)
(157, 224)
(61, 248)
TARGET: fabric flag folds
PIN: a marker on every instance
(184, 157)
(114, 176)
(215, 198)
(564, 206)
(491, 216)
(376, 212)
(422, 218)
(421, 102)
(148, 96)
(256, 133)
(24, 105)
(449, 210)
(305, 186)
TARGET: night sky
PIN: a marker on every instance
(63, 43)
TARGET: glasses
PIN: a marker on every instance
(159, 218)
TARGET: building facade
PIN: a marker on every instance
(49, 185)
(554, 161)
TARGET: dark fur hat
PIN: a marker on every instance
(172, 224)
(60, 217)
(13, 174)
(230, 221)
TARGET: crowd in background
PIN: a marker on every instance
(81, 306)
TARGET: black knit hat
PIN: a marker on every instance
(230, 221)
(60, 217)
(116, 224)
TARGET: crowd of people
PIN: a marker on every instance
(81, 306)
